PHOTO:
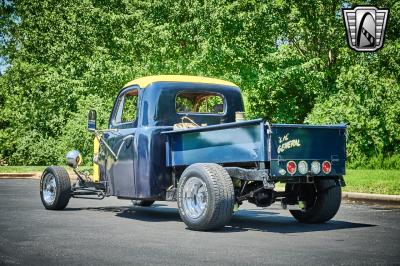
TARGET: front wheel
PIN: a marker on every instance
(322, 200)
(55, 188)
(205, 196)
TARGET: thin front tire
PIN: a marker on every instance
(55, 188)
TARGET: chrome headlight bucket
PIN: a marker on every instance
(74, 158)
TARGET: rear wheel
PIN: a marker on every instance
(205, 197)
(322, 200)
(143, 203)
(55, 188)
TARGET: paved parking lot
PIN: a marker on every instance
(112, 232)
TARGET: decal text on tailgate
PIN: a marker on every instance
(285, 143)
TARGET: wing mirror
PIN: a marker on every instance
(92, 120)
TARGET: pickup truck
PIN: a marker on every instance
(185, 139)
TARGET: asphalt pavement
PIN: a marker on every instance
(112, 232)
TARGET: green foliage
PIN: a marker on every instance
(130, 108)
(289, 57)
(376, 162)
(75, 135)
(369, 104)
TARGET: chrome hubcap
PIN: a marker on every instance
(195, 197)
(49, 189)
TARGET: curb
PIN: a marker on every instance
(20, 175)
(373, 198)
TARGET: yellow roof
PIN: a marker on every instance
(145, 81)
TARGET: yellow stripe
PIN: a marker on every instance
(145, 81)
(96, 168)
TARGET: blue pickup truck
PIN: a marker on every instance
(185, 139)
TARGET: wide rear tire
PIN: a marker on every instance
(205, 197)
(55, 188)
(323, 199)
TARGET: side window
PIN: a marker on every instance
(199, 102)
(130, 108)
(127, 108)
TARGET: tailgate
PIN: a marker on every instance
(307, 143)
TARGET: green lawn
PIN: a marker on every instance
(373, 181)
(367, 181)
(21, 169)
(30, 169)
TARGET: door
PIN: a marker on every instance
(122, 141)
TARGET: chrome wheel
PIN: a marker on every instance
(205, 196)
(49, 187)
(195, 197)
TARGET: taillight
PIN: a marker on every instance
(315, 167)
(291, 167)
(326, 167)
(302, 167)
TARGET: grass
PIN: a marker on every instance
(30, 169)
(366, 181)
(21, 169)
(373, 181)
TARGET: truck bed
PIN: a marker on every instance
(254, 141)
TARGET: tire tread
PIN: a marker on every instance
(223, 197)
(328, 201)
(63, 187)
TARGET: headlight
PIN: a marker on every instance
(302, 167)
(74, 158)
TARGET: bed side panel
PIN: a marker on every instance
(225, 145)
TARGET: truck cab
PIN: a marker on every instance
(145, 108)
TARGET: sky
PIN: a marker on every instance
(3, 65)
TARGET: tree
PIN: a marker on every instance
(290, 58)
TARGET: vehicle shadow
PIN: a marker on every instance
(243, 220)
(147, 214)
(260, 221)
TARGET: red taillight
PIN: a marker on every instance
(326, 167)
(291, 167)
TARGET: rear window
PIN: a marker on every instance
(199, 102)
